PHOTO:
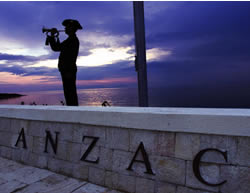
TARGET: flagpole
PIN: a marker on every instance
(140, 45)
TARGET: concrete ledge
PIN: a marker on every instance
(231, 122)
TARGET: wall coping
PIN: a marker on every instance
(231, 122)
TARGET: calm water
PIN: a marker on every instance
(86, 97)
(158, 97)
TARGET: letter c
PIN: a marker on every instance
(196, 166)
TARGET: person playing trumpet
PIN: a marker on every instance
(68, 49)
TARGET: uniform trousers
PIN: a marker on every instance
(69, 87)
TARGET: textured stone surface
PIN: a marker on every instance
(238, 179)
(181, 189)
(121, 161)
(60, 166)
(149, 140)
(95, 131)
(81, 171)
(4, 124)
(17, 125)
(2, 181)
(11, 186)
(124, 183)
(243, 155)
(65, 129)
(106, 156)
(86, 130)
(37, 160)
(170, 170)
(27, 175)
(186, 146)
(8, 166)
(37, 128)
(54, 183)
(118, 139)
(165, 188)
(6, 139)
(108, 179)
(166, 144)
(211, 173)
(144, 185)
(97, 176)
(91, 188)
(5, 152)
(15, 177)
(222, 143)
(38, 145)
(69, 151)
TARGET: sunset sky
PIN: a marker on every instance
(189, 44)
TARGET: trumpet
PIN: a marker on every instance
(53, 32)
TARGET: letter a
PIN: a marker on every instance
(21, 135)
(145, 160)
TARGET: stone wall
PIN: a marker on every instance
(137, 150)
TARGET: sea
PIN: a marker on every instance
(125, 97)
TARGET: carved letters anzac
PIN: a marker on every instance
(50, 139)
(196, 165)
(145, 159)
(89, 149)
(21, 135)
(54, 143)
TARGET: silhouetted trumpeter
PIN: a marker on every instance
(68, 49)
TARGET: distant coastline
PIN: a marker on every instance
(9, 95)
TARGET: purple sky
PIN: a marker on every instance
(189, 44)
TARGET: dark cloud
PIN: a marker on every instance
(25, 19)
(198, 20)
(18, 70)
(21, 69)
(18, 64)
(197, 73)
(17, 57)
(210, 44)
(44, 71)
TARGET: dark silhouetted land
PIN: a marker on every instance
(9, 95)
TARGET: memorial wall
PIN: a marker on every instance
(136, 150)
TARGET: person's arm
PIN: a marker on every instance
(54, 43)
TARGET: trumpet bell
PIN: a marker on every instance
(45, 30)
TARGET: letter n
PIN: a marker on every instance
(21, 137)
(52, 142)
(145, 160)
